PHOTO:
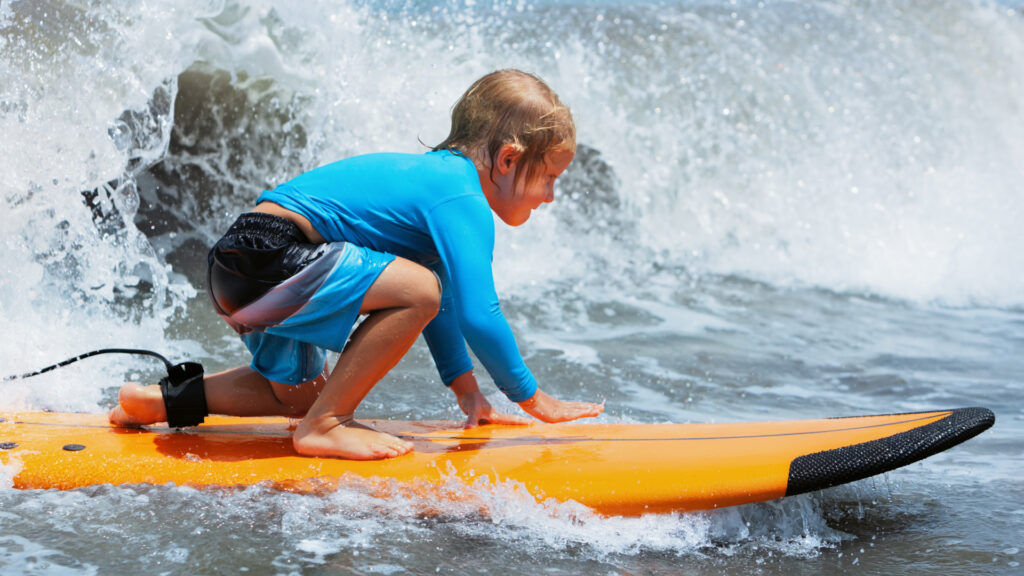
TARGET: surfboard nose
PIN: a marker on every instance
(858, 461)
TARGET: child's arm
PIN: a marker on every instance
(463, 229)
(445, 340)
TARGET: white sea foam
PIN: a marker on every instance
(23, 556)
(9, 468)
(503, 511)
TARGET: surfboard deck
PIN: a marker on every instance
(623, 469)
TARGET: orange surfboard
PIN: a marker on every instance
(613, 468)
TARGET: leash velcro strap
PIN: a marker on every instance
(184, 395)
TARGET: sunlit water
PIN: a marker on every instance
(778, 210)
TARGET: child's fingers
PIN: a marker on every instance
(576, 410)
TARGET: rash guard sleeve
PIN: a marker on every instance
(463, 231)
(444, 338)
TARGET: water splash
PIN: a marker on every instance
(854, 147)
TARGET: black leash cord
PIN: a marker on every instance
(89, 355)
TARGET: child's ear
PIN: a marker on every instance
(508, 155)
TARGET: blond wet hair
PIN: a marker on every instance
(510, 107)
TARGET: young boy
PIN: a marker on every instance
(405, 239)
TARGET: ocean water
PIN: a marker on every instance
(778, 210)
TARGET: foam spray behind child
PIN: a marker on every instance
(407, 241)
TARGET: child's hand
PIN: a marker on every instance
(548, 409)
(479, 411)
(476, 407)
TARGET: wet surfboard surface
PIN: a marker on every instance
(624, 469)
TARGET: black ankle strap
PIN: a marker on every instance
(184, 395)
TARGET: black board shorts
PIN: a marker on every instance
(288, 299)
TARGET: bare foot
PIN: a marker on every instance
(138, 406)
(343, 437)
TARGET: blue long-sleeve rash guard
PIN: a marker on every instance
(428, 208)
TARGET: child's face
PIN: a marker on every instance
(515, 202)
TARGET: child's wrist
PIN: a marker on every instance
(464, 385)
(532, 400)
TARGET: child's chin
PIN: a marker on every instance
(517, 219)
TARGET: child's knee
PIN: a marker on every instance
(427, 297)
